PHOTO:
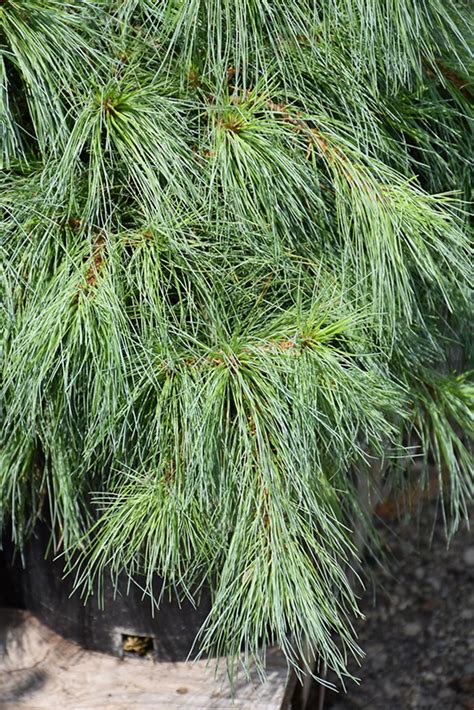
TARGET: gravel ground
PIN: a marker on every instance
(418, 634)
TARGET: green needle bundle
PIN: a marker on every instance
(234, 275)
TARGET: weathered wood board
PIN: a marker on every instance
(39, 670)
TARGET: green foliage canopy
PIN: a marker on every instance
(234, 270)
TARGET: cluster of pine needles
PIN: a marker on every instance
(235, 267)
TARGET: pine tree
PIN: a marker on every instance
(235, 274)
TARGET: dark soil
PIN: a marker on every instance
(418, 634)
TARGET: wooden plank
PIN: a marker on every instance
(39, 669)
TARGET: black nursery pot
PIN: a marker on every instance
(124, 626)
